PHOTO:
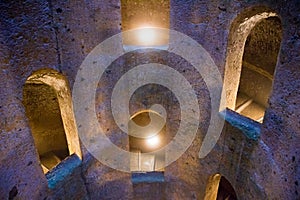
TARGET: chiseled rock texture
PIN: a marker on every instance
(60, 34)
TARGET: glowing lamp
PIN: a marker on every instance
(153, 141)
(145, 37)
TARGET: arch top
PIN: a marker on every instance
(49, 77)
(145, 111)
(258, 10)
(218, 187)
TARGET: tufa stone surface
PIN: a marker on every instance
(60, 34)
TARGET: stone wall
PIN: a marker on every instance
(254, 168)
(27, 44)
(59, 35)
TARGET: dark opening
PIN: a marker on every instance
(225, 191)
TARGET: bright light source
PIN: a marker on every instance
(153, 141)
(146, 36)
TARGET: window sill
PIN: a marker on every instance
(64, 169)
(248, 126)
(147, 177)
(128, 48)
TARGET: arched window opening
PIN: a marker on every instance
(145, 143)
(219, 188)
(258, 66)
(43, 111)
(253, 48)
(225, 190)
(48, 106)
(145, 15)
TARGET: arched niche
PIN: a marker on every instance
(145, 145)
(253, 47)
(48, 106)
(219, 188)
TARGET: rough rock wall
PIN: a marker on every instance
(80, 26)
(255, 169)
(28, 43)
(59, 35)
(280, 132)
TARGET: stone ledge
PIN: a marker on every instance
(248, 126)
(64, 169)
(147, 177)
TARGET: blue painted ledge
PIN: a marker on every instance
(147, 177)
(62, 170)
(248, 126)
